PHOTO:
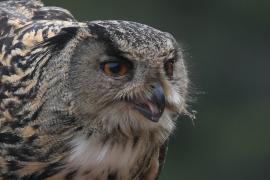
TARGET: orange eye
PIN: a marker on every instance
(169, 68)
(115, 68)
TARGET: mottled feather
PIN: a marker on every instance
(29, 35)
(36, 43)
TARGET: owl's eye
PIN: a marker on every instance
(169, 67)
(115, 68)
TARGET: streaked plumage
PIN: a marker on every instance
(62, 118)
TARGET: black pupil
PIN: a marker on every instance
(115, 67)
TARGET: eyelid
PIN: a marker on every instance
(105, 59)
(108, 59)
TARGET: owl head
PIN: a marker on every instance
(127, 77)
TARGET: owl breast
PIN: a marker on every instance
(97, 160)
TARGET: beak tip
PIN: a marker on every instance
(155, 119)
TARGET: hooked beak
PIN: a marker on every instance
(154, 107)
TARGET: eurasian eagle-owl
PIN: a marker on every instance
(85, 100)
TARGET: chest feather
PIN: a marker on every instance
(96, 159)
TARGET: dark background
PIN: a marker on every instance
(226, 43)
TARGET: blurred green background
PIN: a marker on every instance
(227, 47)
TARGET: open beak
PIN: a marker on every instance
(152, 108)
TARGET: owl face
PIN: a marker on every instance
(128, 79)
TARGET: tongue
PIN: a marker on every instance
(152, 108)
(149, 110)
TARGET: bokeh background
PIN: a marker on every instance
(227, 47)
